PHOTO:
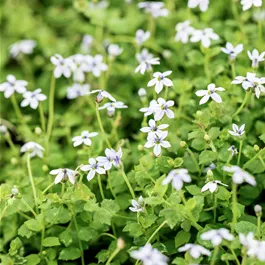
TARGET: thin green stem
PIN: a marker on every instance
(247, 95)
(3, 212)
(215, 252)
(234, 255)
(240, 152)
(113, 255)
(42, 234)
(233, 69)
(48, 188)
(32, 182)
(51, 107)
(234, 205)
(258, 226)
(100, 187)
(127, 182)
(194, 159)
(101, 127)
(254, 158)
(215, 207)
(42, 118)
(109, 235)
(10, 142)
(155, 232)
(260, 26)
(29, 208)
(206, 65)
(17, 109)
(262, 161)
(79, 241)
(110, 185)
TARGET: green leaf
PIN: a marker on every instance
(214, 133)
(66, 237)
(223, 193)
(70, 253)
(181, 238)
(33, 259)
(206, 157)
(245, 227)
(87, 234)
(51, 241)
(193, 190)
(134, 229)
(33, 225)
(173, 215)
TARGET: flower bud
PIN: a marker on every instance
(199, 113)
(14, 161)
(38, 130)
(142, 93)
(99, 97)
(140, 147)
(256, 148)
(207, 138)
(14, 190)
(209, 174)
(258, 209)
(182, 144)
(120, 243)
(110, 111)
(45, 168)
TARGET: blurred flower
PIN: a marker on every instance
(217, 236)
(137, 205)
(255, 57)
(99, 4)
(93, 168)
(212, 186)
(184, 30)
(77, 90)
(142, 93)
(80, 65)
(151, 109)
(238, 132)
(178, 177)
(204, 36)
(162, 109)
(14, 191)
(12, 85)
(22, 47)
(112, 106)
(259, 15)
(239, 175)
(195, 250)
(101, 95)
(157, 141)
(233, 150)
(156, 9)
(160, 80)
(203, 4)
(33, 148)
(84, 138)
(114, 50)
(153, 128)
(232, 51)
(141, 36)
(87, 43)
(62, 174)
(63, 66)
(149, 256)
(96, 65)
(3, 129)
(247, 4)
(32, 98)
(210, 93)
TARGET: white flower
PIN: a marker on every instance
(203, 4)
(259, 15)
(195, 250)
(12, 85)
(84, 138)
(177, 177)
(247, 4)
(210, 93)
(22, 47)
(155, 8)
(153, 128)
(239, 175)
(255, 57)
(238, 132)
(101, 95)
(160, 80)
(184, 30)
(3, 129)
(114, 50)
(204, 36)
(248, 240)
(14, 191)
(32, 98)
(87, 43)
(77, 90)
(233, 150)
(112, 158)
(112, 106)
(146, 60)
(217, 236)
(63, 174)
(96, 65)
(93, 168)
(99, 4)
(156, 141)
(231, 50)
(137, 206)
(63, 66)
(141, 36)
(142, 93)
(33, 148)
(80, 65)
(149, 255)
(212, 186)
(162, 109)
(151, 109)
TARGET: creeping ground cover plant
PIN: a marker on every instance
(132, 132)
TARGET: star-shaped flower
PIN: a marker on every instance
(84, 138)
(63, 174)
(212, 186)
(32, 98)
(160, 80)
(178, 177)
